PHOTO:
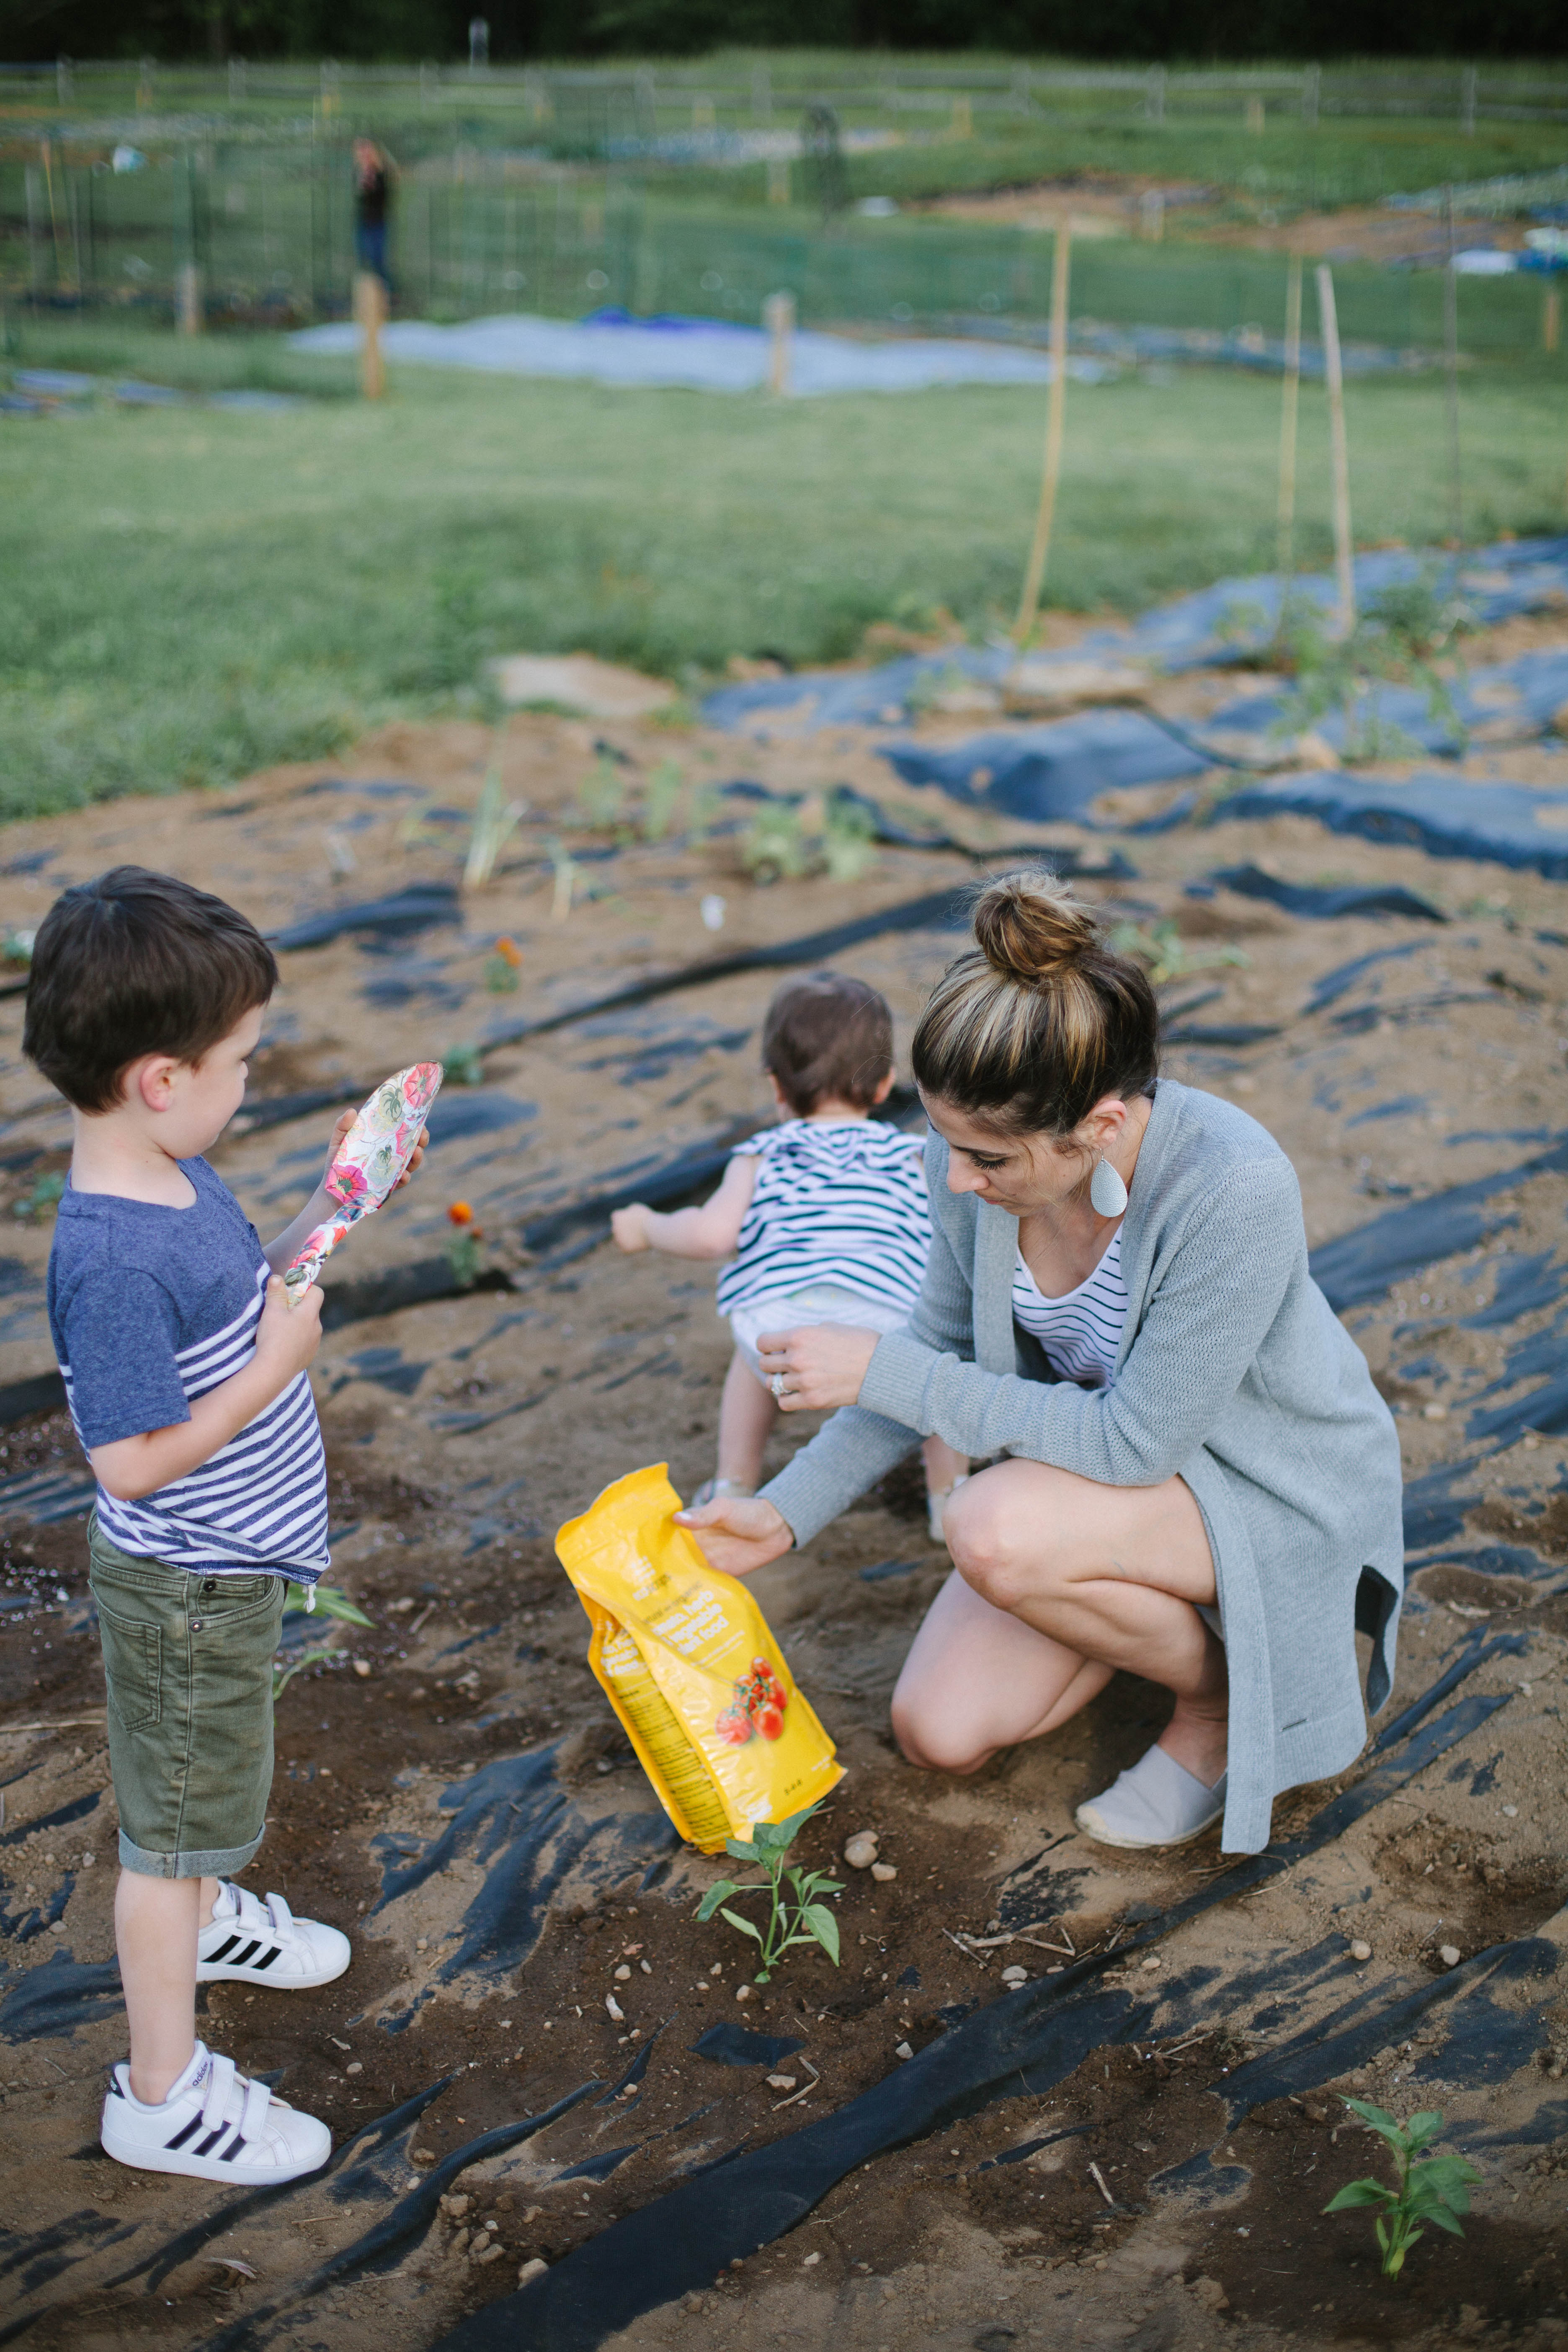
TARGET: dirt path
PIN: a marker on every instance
(454, 1784)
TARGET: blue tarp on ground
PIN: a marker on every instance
(1520, 698)
(693, 354)
(1055, 771)
(1510, 825)
(1212, 625)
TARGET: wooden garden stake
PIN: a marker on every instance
(1287, 428)
(778, 317)
(1055, 409)
(1551, 319)
(1451, 370)
(370, 309)
(1338, 453)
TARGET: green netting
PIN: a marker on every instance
(270, 228)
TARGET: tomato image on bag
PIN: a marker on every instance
(690, 1667)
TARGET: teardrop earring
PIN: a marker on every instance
(1106, 1192)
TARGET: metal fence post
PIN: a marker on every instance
(1469, 85)
(1312, 93)
(1155, 95)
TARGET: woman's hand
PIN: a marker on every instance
(818, 1368)
(738, 1533)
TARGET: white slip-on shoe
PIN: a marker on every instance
(248, 1942)
(215, 2125)
(1156, 1802)
(715, 1490)
(937, 1503)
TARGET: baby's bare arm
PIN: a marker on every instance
(710, 1232)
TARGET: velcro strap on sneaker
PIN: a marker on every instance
(258, 2099)
(220, 2082)
(282, 1918)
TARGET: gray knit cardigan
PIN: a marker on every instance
(1233, 1372)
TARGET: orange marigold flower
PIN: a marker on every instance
(460, 1213)
(509, 952)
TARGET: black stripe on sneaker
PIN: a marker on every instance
(182, 2135)
(241, 1958)
(267, 1957)
(225, 1947)
(205, 2147)
(227, 2155)
(114, 2090)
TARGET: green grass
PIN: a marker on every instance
(190, 594)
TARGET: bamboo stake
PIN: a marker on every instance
(778, 317)
(1287, 429)
(1340, 454)
(1451, 370)
(1056, 407)
(62, 275)
(370, 308)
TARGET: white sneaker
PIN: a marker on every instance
(251, 1942)
(215, 2125)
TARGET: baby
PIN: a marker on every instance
(824, 1219)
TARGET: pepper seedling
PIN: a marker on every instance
(797, 1915)
(331, 1601)
(1435, 2189)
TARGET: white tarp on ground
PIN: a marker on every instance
(702, 355)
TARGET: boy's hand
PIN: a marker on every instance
(287, 1337)
(629, 1227)
(341, 1129)
(414, 1159)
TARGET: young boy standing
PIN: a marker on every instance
(185, 1369)
(823, 1218)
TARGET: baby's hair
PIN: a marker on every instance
(828, 1038)
(137, 963)
(1041, 1018)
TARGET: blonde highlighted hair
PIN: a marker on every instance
(1040, 1019)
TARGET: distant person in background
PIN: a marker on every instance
(373, 201)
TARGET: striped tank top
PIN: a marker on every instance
(840, 1201)
(1080, 1332)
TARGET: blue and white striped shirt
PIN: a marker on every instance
(840, 1201)
(151, 1307)
(1082, 1331)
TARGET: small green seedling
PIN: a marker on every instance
(661, 799)
(1167, 954)
(774, 847)
(332, 1600)
(496, 819)
(42, 1200)
(1437, 2190)
(797, 1917)
(849, 838)
(463, 1066)
(602, 796)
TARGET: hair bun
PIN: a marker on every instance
(1030, 928)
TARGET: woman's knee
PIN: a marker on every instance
(931, 1741)
(1000, 1553)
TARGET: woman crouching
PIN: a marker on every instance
(1192, 1477)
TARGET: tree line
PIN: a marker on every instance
(1175, 31)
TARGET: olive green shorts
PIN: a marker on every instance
(188, 1661)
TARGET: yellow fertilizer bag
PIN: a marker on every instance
(691, 1669)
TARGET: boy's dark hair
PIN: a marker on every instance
(827, 1037)
(137, 963)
